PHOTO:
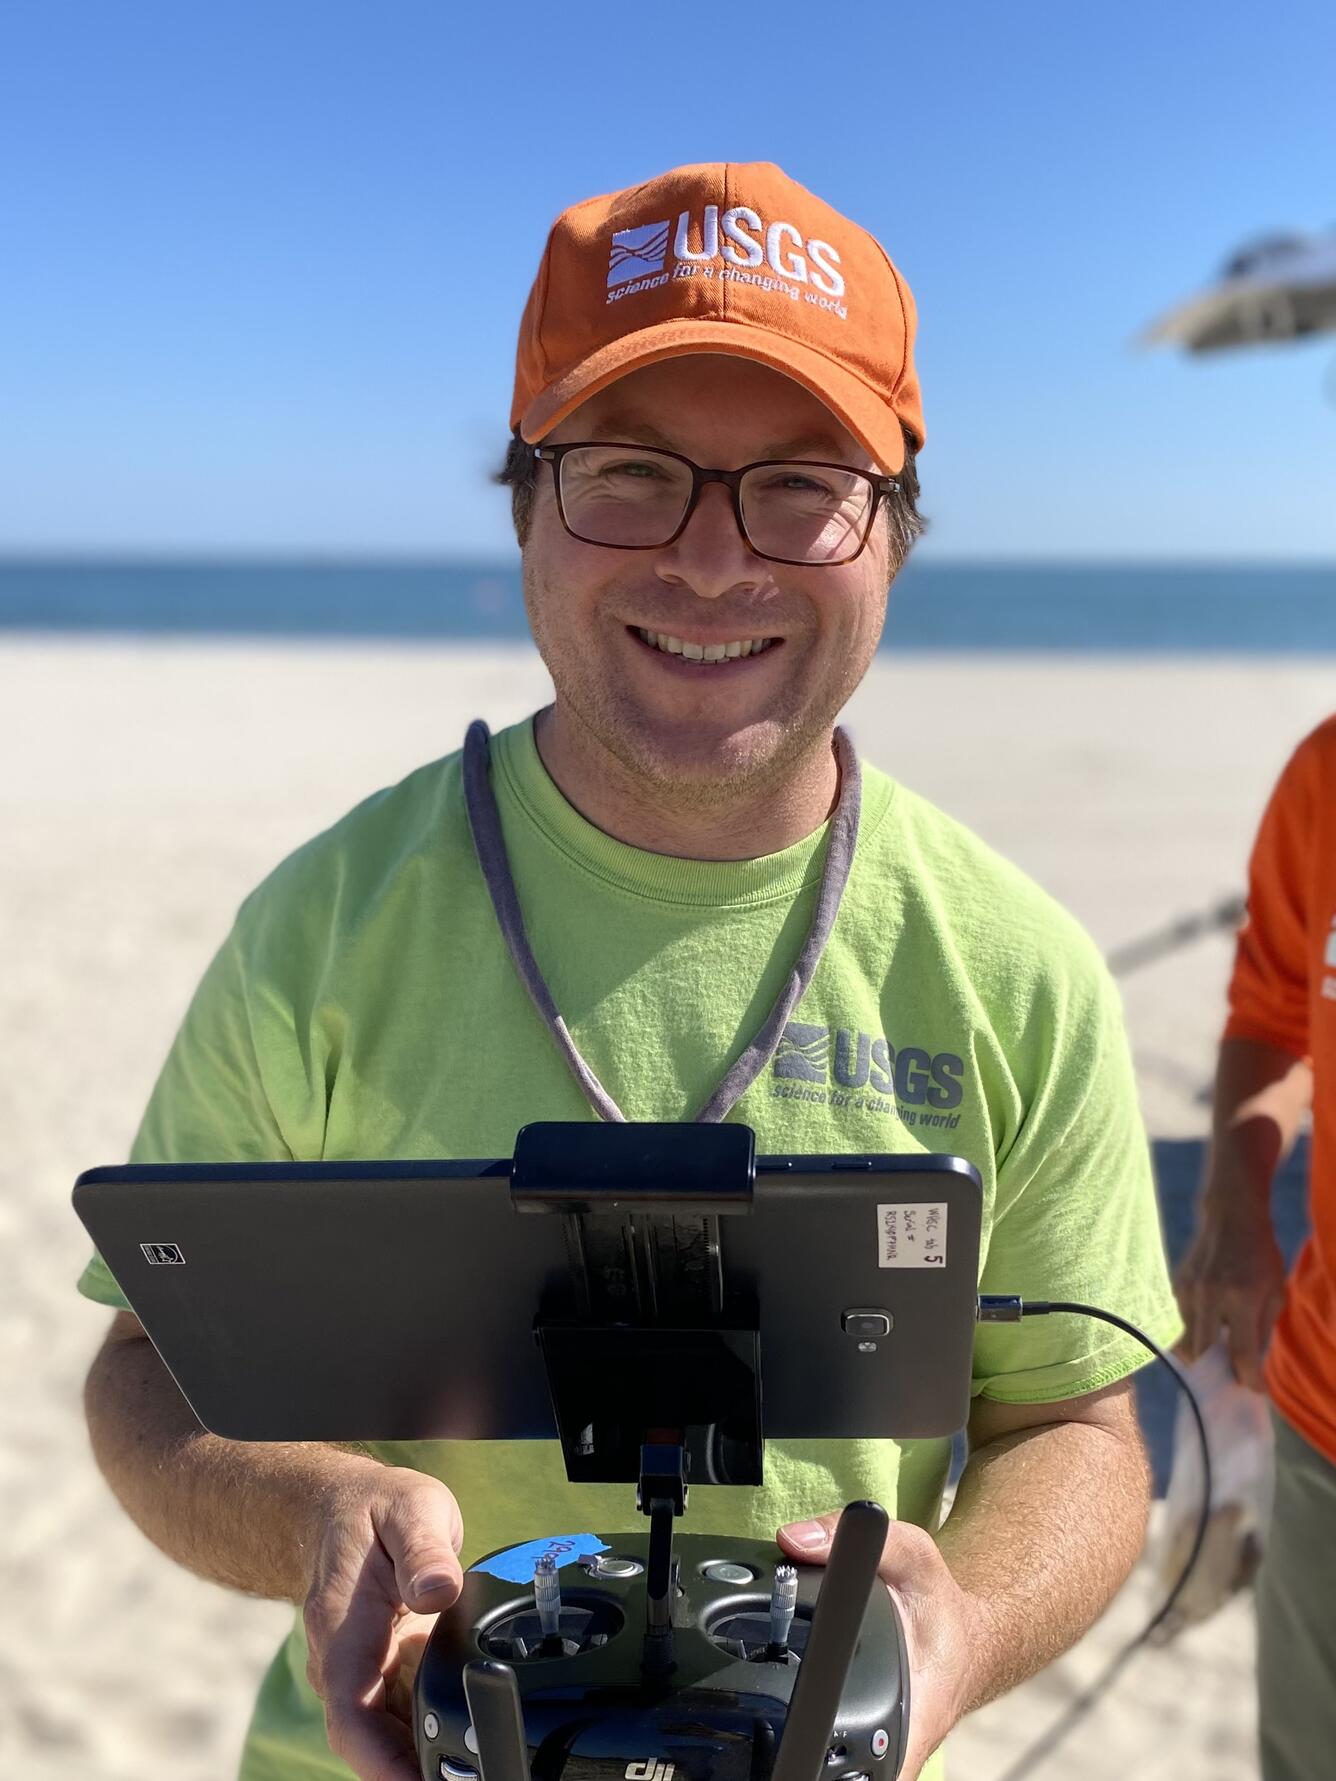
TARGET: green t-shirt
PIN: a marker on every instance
(364, 1005)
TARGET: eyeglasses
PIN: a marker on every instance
(636, 497)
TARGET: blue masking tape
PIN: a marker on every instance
(517, 1563)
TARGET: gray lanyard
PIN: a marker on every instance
(489, 845)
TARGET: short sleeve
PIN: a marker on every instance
(1076, 1216)
(209, 1103)
(1268, 989)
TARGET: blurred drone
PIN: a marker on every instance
(1277, 288)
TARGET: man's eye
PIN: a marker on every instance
(792, 481)
(631, 467)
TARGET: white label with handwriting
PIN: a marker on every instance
(912, 1236)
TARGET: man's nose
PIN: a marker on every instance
(711, 558)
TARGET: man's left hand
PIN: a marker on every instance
(939, 1621)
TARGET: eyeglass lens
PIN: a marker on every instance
(805, 513)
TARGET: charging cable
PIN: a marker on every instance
(1006, 1308)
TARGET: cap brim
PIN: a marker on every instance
(870, 419)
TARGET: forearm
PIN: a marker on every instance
(244, 1514)
(1045, 1527)
(1261, 1095)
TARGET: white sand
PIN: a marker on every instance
(143, 790)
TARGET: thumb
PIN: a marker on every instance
(810, 1540)
(910, 1560)
(422, 1533)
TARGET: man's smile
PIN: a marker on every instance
(687, 654)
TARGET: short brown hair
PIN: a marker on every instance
(904, 522)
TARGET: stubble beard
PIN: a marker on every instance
(748, 765)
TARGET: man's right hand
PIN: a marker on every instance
(1232, 1279)
(385, 1563)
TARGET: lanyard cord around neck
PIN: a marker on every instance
(489, 845)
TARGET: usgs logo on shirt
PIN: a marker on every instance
(734, 245)
(921, 1087)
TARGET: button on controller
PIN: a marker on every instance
(726, 1572)
(607, 1564)
(881, 1742)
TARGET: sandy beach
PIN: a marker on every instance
(145, 787)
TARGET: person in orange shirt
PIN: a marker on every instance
(1277, 1061)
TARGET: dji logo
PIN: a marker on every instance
(650, 1771)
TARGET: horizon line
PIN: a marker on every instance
(150, 556)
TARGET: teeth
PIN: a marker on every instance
(705, 652)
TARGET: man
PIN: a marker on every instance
(716, 416)
(1278, 1060)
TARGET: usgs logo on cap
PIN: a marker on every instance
(738, 238)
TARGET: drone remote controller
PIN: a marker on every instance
(732, 1666)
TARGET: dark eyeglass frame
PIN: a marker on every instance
(881, 487)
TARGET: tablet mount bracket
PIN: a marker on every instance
(653, 1367)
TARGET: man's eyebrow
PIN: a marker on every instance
(824, 443)
(638, 432)
(617, 427)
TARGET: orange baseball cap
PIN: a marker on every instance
(722, 257)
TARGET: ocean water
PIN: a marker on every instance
(1208, 609)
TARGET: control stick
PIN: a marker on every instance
(547, 1599)
(783, 1601)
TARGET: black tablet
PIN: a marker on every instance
(397, 1300)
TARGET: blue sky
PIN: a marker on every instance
(263, 263)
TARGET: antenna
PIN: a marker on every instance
(493, 1697)
(855, 1553)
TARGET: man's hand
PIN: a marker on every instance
(1232, 1278)
(385, 1563)
(938, 1616)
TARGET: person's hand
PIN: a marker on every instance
(939, 1619)
(1232, 1278)
(385, 1563)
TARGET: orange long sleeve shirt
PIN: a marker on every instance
(1283, 991)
